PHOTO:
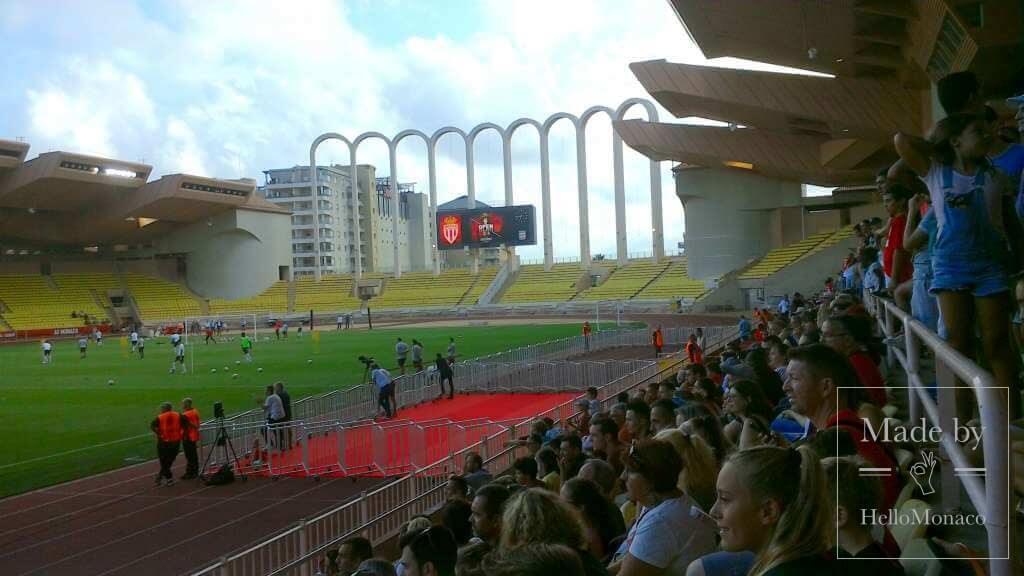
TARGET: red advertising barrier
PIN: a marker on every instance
(20, 335)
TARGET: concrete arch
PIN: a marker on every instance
(657, 219)
(353, 201)
(393, 170)
(432, 168)
(506, 159)
(545, 180)
(432, 189)
(544, 131)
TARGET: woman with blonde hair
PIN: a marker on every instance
(773, 502)
(697, 479)
(538, 516)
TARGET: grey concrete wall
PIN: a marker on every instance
(728, 217)
(235, 255)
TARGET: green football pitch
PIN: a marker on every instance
(66, 419)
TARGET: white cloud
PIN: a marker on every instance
(234, 87)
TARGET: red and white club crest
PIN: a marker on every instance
(451, 229)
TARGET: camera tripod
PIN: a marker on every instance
(227, 450)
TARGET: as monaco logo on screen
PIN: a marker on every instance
(451, 230)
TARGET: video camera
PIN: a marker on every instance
(218, 409)
(367, 361)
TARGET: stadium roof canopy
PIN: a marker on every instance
(63, 199)
(883, 55)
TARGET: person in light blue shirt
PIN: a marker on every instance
(744, 328)
(382, 380)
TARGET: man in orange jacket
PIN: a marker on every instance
(190, 439)
(658, 340)
(168, 427)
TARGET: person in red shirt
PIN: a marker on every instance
(586, 335)
(693, 351)
(846, 335)
(896, 259)
(823, 386)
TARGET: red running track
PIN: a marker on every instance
(119, 523)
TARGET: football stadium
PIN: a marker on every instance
(323, 370)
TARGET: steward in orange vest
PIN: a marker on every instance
(657, 340)
(190, 439)
(168, 427)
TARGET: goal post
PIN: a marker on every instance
(225, 328)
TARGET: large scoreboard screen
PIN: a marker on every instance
(486, 227)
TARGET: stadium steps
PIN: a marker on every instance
(832, 239)
(480, 285)
(332, 294)
(158, 299)
(291, 295)
(534, 284)
(627, 281)
(777, 259)
(674, 282)
(4, 325)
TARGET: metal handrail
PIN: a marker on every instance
(991, 497)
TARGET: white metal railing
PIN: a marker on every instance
(989, 496)
(379, 514)
(358, 401)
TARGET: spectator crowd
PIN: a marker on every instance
(750, 461)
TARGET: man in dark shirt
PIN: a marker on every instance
(286, 402)
(445, 372)
(570, 456)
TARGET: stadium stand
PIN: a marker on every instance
(534, 284)
(416, 289)
(32, 303)
(834, 238)
(779, 258)
(674, 282)
(478, 288)
(86, 292)
(271, 300)
(626, 281)
(333, 293)
(158, 299)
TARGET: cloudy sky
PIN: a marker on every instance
(231, 88)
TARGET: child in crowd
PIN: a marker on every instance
(971, 254)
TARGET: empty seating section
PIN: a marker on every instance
(674, 283)
(418, 289)
(31, 303)
(832, 239)
(159, 299)
(482, 283)
(626, 281)
(536, 285)
(779, 258)
(332, 294)
(76, 291)
(272, 300)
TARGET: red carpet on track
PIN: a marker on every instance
(495, 407)
(416, 437)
